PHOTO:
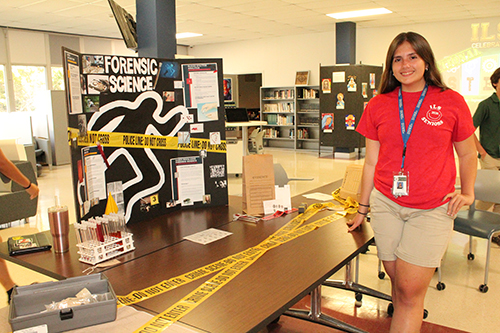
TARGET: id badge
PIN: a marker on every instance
(400, 184)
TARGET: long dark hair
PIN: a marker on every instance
(432, 76)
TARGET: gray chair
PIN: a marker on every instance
(16, 203)
(281, 177)
(480, 223)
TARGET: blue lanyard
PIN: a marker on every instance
(405, 133)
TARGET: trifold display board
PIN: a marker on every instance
(147, 132)
(344, 92)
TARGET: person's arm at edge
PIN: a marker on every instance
(9, 170)
(479, 147)
(371, 158)
(467, 160)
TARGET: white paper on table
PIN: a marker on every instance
(282, 201)
(282, 195)
(271, 206)
(208, 236)
(319, 196)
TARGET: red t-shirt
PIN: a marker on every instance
(444, 118)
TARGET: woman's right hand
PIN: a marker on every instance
(356, 222)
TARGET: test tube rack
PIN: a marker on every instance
(94, 252)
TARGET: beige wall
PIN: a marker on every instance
(279, 58)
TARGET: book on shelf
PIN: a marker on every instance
(303, 133)
(278, 107)
(309, 93)
(278, 94)
(276, 119)
(271, 133)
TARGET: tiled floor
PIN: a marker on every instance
(460, 305)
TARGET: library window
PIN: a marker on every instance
(3, 91)
(29, 81)
(57, 78)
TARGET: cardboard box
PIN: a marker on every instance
(27, 306)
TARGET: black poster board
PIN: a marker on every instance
(344, 92)
(148, 131)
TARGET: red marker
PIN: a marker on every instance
(99, 147)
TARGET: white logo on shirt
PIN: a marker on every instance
(433, 116)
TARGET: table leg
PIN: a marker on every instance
(315, 315)
(349, 284)
(244, 138)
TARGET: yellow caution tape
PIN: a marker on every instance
(137, 296)
(350, 205)
(134, 140)
(162, 321)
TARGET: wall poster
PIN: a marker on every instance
(149, 132)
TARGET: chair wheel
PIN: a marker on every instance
(440, 286)
(359, 297)
(381, 275)
(483, 288)
(470, 256)
(390, 309)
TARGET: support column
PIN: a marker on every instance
(345, 43)
(156, 28)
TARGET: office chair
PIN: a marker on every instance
(480, 223)
(281, 178)
(15, 203)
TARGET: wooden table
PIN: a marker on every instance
(257, 296)
(263, 291)
(148, 236)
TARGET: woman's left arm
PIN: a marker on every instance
(467, 160)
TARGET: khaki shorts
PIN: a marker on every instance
(417, 236)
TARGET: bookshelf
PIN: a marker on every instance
(307, 116)
(277, 107)
(292, 115)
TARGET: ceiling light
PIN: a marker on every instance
(187, 35)
(359, 13)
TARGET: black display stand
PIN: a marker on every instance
(342, 101)
(148, 131)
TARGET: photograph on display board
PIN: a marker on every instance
(351, 84)
(327, 122)
(326, 86)
(228, 90)
(350, 122)
(340, 101)
(135, 141)
(372, 80)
